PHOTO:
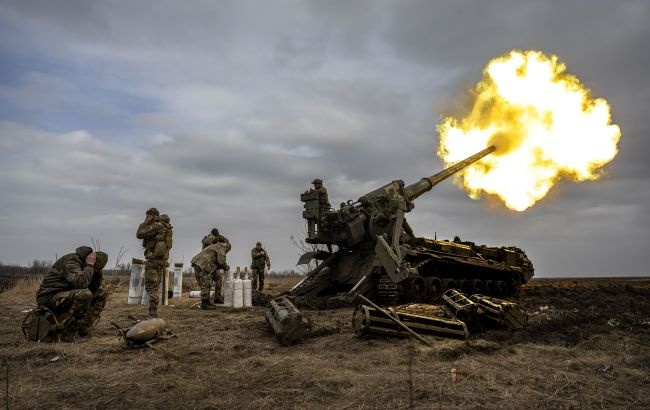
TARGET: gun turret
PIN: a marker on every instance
(376, 212)
(425, 184)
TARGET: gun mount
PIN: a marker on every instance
(373, 250)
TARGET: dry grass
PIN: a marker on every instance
(568, 357)
(21, 295)
(280, 283)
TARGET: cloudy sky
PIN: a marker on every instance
(220, 113)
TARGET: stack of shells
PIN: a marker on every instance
(237, 292)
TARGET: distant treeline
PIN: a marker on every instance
(37, 267)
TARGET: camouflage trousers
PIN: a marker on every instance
(258, 277)
(205, 280)
(78, 309)
(153, 273)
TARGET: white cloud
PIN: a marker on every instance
(161, 139)
(303, 151)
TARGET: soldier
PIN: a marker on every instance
(260, 258)
(206, 266)
(153, 233)
(213, 237)
(323, 199)
(72, 290)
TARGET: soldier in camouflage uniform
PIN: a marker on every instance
(213, 237)
(72, 291)
(153, 233)
(260, 258)
(323, 200)
(206, 266)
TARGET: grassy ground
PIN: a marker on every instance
(587, 346)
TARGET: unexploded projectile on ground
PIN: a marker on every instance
(144, 333)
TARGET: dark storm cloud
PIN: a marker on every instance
(221, 113)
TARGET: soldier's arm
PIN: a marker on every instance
(147, 230)
(141, 230)
(96, 281)
(79, 278)
(268, 260)
(221, 261)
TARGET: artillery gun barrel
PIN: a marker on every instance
(425, 184)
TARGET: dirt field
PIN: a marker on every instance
(587, 345)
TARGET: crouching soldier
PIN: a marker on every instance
(72, 291)
(206, 269)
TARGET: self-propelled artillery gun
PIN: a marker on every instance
(368, 247)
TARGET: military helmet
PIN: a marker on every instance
(258, 244)
(165, 218)
(152, 211)
(214, 231)
(317, 181)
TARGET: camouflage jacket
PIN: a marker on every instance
(153, 236)
(68, 273)
(212, 257)
(260, 258)
(209, 239)
(323, 198)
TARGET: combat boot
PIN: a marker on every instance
(206, 304)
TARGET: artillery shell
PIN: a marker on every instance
(146, 330)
